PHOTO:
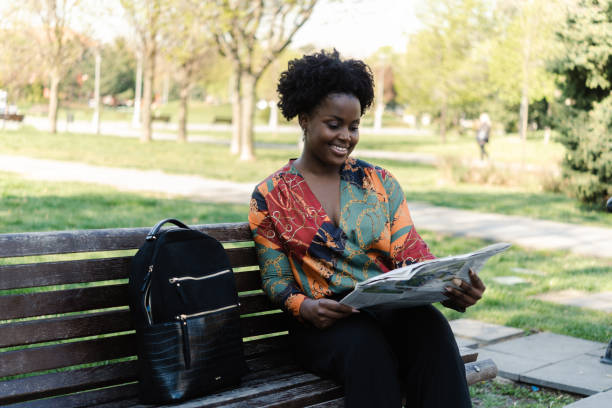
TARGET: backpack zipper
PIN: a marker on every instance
(183, 317)
(182, 278)
(185, 328)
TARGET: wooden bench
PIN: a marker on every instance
(160, 118)
(222, 119)
(11, 117)
(66, 338)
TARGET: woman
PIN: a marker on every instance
(325, 221)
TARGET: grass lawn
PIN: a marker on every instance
(27, 205)
(421, 182)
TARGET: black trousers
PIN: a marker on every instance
(380, 356)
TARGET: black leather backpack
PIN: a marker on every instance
(185, 309)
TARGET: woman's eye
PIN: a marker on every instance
(332, 125)
(354, 128)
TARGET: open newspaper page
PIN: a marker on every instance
(420, 283)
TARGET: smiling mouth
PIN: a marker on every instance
(339, 149)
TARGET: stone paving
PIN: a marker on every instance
(544, 359)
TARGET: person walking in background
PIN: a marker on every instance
(482, 134)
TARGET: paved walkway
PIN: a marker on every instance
(527, 232)
(543, 359)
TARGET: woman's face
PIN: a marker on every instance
(332, 131)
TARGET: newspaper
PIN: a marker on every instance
(420, 283)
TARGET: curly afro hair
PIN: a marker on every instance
(308, 80)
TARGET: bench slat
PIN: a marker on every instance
(62, 242)
(93, 270)
(67, 382)
(248, 280)
(118, 397)
(264, 324)
(296, 396)
(245, 256)
(67, 354)
(62, 301)
(59, 273)
(65, 327)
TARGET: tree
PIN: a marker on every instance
(56, 46)
(252, 34)
(189, 48)
(145, 17)
(520, 53)
(586, 123)
(441, 71)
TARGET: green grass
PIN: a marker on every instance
(499, 393)
(421, 182)
(27, 205)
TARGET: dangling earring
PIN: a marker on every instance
(303, 135)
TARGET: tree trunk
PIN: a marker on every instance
(54, 101)
(380, 93)
(248, 83)
(96, 118)
(136, 119)
(524, 113)
(147, 95)
(443, 114)
(273, 119)
(182, 113)
(236, 115)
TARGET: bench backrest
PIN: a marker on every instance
(65, 326)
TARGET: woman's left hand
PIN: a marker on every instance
(466, 295)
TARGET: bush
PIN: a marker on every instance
(587, 165)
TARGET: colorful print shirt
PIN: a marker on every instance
(303, 253)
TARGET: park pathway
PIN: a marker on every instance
(523, 231)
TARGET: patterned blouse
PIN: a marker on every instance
(303, 253)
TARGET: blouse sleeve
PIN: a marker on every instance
(407, 246)
(276, 274)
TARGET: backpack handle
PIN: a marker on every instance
(152, 235)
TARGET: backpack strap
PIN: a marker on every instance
(152, 235)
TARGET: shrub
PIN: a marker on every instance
(587, 165)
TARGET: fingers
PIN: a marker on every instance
(451, 305)
(323, 313)
(466, 294)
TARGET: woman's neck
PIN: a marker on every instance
(313, 168)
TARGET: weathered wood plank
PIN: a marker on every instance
(480, 370)
(45, 385)
(468, 355)
(255, 303)
(117, 396)
(335, 403)
(265, 324)
(66, 327)
(64, 272)
(248, 280)
(246, 393)
(239, 257)
(67, 354)
(61, 242)
(297, 396)
(62, 301)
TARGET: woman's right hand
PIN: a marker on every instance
(322, 313)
